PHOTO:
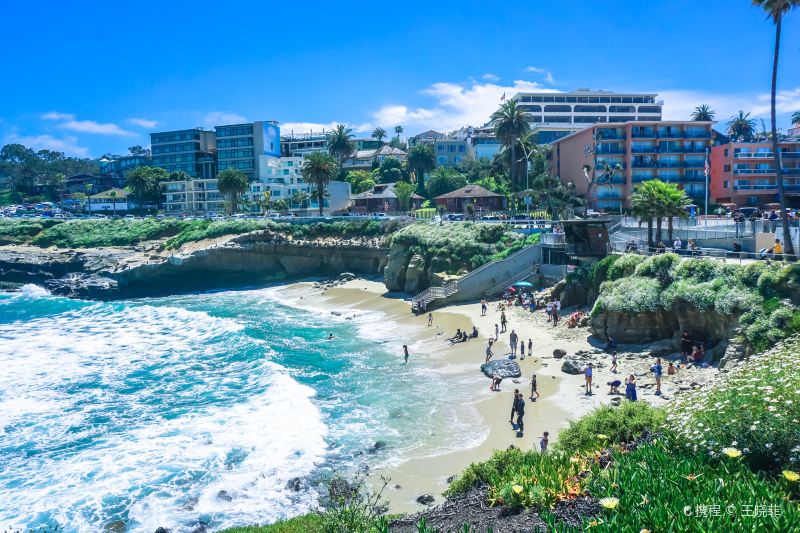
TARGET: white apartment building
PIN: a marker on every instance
(556, 115)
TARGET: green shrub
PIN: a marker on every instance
(659, 267)
(616, 424)
(753, 407)
(600, 270)
(625, 266)
(307, 523)
(630, 295)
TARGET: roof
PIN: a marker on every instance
(389, 150)
(470, 191)
(119, 193)
(634, 123)
(382, 190)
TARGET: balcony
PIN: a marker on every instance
(619, 180)
(694, 164)
(610, 136)
(643, 134)
(670, 164)
(670, 149)
(751, 187)
(669, 134)
(696, 135)
(644, 164)
(754, 155)
(644, 150)
(641, 178)
(610, 151)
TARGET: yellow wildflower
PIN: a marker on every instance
(609, 503)
(791, 476)
(602, 437)
(517, 488)
(733, 453)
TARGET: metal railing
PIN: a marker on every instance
(503, 285)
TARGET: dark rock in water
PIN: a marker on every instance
(426, 499)
(451, 479)
(378, 446)
(504, 368)
(296, 484)
(571, 366)
(558, 353)
(340, 488)
(224, 496)
(79, 285)
(162, 530)
(202, 527)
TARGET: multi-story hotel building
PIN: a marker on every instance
(556, 115)
(248, 147)
(192, 151)
(669, 151)
(744, 173)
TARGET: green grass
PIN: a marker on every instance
(308, 523)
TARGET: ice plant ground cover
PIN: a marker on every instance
(752, 407)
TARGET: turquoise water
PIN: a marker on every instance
(136, 414)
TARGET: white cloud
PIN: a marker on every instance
(536, 70)
(68, 145)
(68, 121)
(490, 77)
(142, 122)
(221, 118)
(549, 78)
(679, 104)
(455, 105)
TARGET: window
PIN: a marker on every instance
(456, 159)
(440, 148)
(451, 147)
(557, 108)
(727, 168)
(726, 152)
(441, 160)
(462, 148)
(726, 184)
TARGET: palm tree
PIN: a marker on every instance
(340, 143)
(319, 169)
(644, 206)
(141, 182)
(88, 188)
(420, 161)
(398, 130)
(674, 205)
(378, 133)
(703, 113)
(511, 123)
(606, 175)
(776, 9)
(113, 196)
(232, 184)
(796, 119)
(741, 127)
(403, 191)
(265, 202)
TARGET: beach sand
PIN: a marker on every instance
(562, 396)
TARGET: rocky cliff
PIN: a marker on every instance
(249, 259)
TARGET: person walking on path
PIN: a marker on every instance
(503, 321)
(549, 310)
(405, 352)
(588, 375)
(513, 340)
(556, 310)
(530, 347)
(483, 307)
(513, 406)
(544, 442)
(613, 362)
(496, 332)
(430, 319)
(658, 371)
(534, 388)
(489, 352)
(520, 414)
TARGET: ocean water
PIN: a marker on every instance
(130, 415)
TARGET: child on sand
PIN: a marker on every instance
(545, 440)
(588, 374)
(533, 388)
(430, 319)
(489, 352)
(614, 386)
(613, 362)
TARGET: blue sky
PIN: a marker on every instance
(93, 77)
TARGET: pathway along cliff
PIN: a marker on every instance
(228, 262)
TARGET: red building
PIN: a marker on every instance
(744, 173)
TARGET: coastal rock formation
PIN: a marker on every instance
(416, 276)
(558, 353)
(394, 275)
(664, 324)
(571, 366)
(426, 499)
(505, 368)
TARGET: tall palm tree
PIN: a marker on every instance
(796, 119)
(776, 9)
(421, 160)
(340, 143)
(511, 123)
(88, 188)
(319, 169)
(378, 133)
(141, 182)
(644, 206)
(398, 130)
(232, 184)
(674, 205)
(113, 196)
(741, 127)
(703, 113)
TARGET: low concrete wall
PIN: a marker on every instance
(474, 286)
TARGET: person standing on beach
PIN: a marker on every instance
(588, 374)
(496, 332)
(686, 347)
(513, 406)
(483, 307)
(520, 414)
(522, 350)
(549, 310)
(489, 353)
(430, 319)
(405, 352)
(658, 370)
(533, 388)
(545, 440)
(556, 310)
(613, 362)
(630, 388)
(513, 340)
(503, 321)
(530, 347)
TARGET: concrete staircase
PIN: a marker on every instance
(503, 285)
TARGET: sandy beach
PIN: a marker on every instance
(562, 396)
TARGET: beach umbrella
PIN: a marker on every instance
(523, 284)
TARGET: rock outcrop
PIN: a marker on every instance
(505, 368)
